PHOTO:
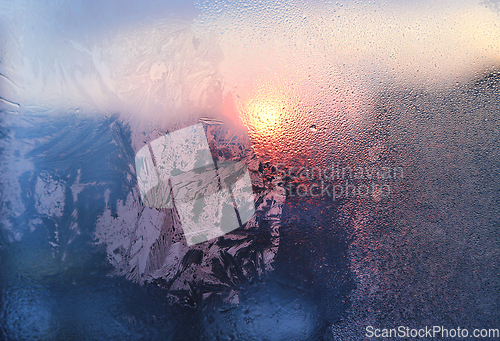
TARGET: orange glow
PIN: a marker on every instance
(265, 114)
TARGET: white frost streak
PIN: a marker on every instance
(129, 237)
(49, 196)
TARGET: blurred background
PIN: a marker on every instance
(399, 100)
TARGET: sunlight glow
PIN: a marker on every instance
(265, 113)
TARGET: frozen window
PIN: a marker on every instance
(249, 170)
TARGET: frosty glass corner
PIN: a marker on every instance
(178, 170)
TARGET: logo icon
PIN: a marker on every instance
(177, 170)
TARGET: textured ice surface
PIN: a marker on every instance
(86, 85)
(150, 244)
(178, 168)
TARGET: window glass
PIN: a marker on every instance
(249, 170)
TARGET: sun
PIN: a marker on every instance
(265, 114)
